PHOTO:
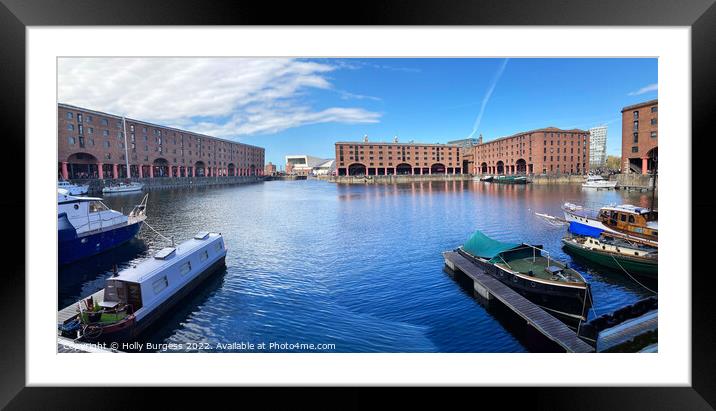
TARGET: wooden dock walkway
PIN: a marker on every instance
(68, 312)
(488, 286)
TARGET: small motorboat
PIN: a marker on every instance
(86, 226)
(529, 270)
(123, 188)
(598, 182)
(486, 178)
(73, 189)
(136, 297)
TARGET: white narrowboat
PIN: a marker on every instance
(136, 297)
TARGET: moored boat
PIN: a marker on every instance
(615, 253)
(530, 271)
(503, 179)
(73, 189)
(86, 226)
(598, 182)
(123, 188)
(628, 220)
(136, 297)
(486, 178)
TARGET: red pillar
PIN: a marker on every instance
(644, 165)
(99, 171)
(65, 174)
(139, 168)
(193, 171)
(151, 171)
(115, 171)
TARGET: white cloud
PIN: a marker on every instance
(233, 96)
(645, 89)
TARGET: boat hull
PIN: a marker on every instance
(569, 304)
(642, 267)
(82, 247)
(137, 327)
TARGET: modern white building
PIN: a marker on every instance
(304, 165)
(598, 147)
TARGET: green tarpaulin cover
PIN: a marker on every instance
(483, 246)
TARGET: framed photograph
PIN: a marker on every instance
(409, 196)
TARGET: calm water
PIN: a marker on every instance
(351, 265)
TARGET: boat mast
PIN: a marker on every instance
(126, 149)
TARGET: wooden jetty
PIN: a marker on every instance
(67, 345)
(490, 287)
(628, 331)
(68, 312)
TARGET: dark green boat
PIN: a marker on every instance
(510, 179)
(529, 270)
(617, 254)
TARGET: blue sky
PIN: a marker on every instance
(302, 106)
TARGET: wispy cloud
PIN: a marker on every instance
(225, 97)
(645, 89)
(352, 96)
(353, 64)
(488, 94)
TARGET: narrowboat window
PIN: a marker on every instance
(622, 217)
(185, 268)
(204, 256)
(160, 284)
(631, 219)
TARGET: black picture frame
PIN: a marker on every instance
(16, 15)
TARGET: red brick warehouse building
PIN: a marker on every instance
(91, 145)
(381, 158)
(640, 139)
(543, 151)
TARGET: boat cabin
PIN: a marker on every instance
(150, 283)
(88, 214)
(630, 219)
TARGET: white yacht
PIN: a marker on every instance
(123, 188)
(596, 181)
(73, 189)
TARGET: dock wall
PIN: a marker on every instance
(397, 179)
(632, 181)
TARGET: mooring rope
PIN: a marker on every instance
(157, 232)
(630, 276)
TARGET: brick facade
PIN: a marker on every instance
(548, 151)
(377, 158)
(91, 145)
(640, 137)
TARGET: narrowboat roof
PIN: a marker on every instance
(152, 266)
(483, 246)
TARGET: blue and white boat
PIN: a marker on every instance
(138, 296)
(86, 226)
(627, 221)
